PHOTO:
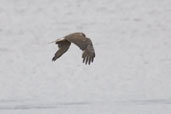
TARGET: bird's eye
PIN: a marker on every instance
(83, 34)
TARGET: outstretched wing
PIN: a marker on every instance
(88, 54)
(84, 44)
(63, 47)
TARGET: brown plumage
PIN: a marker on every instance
(81, 41)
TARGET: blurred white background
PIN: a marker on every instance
(131, 38)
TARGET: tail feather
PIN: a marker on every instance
(58, 40)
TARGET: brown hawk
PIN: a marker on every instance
(81, 41)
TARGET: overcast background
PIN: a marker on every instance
(131, 73)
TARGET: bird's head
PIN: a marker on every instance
(82, 34)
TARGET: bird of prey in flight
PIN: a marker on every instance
(81, 41)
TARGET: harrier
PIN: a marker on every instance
(81, 41)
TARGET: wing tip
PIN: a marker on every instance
(87, 60)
